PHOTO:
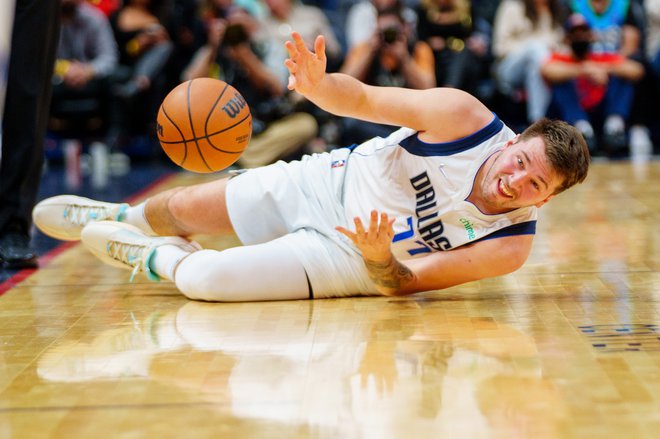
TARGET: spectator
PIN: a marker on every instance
(33, 46)
(652, 8)
(616, 31)
(648, 92)
(613, 25)
(144, 50)
(589, 85)
(335, 11)
(524, 33)
(230, 55)
(485, 9)
(448, 26)
(391, 57)
(108, 7)
(184, 26)
(361, 18)
(309, 21)
(86, 56)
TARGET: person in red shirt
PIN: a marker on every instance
(589, 88)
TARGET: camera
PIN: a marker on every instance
(235, 34)
(390, 34)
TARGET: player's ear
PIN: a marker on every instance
(511, 142)
(541, 203)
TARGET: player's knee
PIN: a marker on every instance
(205, 275)
(176, 204)
(177, 213)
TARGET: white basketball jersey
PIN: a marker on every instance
(425, 186)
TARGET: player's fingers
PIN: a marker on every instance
(319, 47)
(292, 66)
(382, 224)
(298, 41)
(359, 227)
(291, 49)
(373, 225)
(350, 235)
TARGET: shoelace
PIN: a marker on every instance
(80, 215)
(129, 254)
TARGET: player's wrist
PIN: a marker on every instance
(378, 260)
(320, 88)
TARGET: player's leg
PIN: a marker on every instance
(269, 271)
(179, 211)
(189, 210)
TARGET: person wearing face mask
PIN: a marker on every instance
(590, 87)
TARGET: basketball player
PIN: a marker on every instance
(452, 197)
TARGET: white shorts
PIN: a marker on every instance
(300, 203)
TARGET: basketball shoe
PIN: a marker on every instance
(64, 216)
(125, 246)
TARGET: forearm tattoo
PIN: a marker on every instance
(389, 276)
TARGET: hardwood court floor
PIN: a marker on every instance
(567, 347)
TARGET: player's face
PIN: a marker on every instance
(519, 176)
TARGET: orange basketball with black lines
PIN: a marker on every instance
(204, 125)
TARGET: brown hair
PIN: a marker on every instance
(565, 149)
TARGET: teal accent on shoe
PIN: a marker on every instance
(92, 215)
(152, 275)
(66, 213)
(121, 212)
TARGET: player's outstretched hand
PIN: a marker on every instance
(376, 241)
(306, 68)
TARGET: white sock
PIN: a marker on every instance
(584, 127)
(614, 124)
(165, 260)
(134, 215)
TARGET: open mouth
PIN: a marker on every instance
(504, 190)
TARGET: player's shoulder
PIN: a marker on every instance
(453, 114)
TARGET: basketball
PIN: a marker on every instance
(204, 125)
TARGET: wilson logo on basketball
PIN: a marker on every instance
(234, 105)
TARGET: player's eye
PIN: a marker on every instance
(520, 162)
(536, 185)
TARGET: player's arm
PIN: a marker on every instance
(441, 114)
(484, 259)
(489, 258)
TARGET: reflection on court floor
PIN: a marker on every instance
(566, 347)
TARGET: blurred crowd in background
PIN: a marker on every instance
(593, 63)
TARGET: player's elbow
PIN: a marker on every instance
(394, 292)
(512, 261)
